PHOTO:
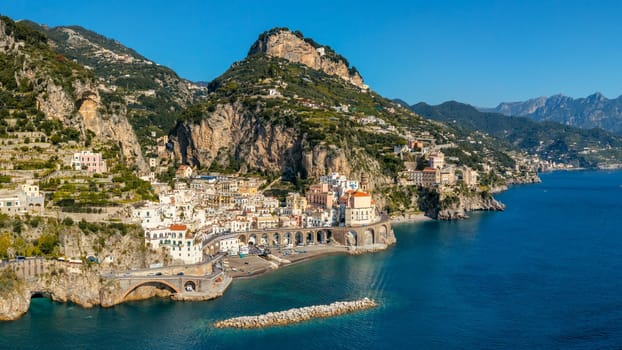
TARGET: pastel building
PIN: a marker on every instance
(89, 161)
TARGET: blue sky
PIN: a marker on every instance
(478, 52)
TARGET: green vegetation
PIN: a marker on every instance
(8, 282)
(14, 240)
(550, 140)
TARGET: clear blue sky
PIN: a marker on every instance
(479, 52)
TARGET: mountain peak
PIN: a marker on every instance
(293, 46)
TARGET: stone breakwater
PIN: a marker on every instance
(296, 315)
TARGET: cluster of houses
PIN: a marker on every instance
(207, 206)
(438, 173)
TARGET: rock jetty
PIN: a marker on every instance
(296, 315)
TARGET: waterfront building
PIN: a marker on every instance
(430, 177)
(469, 176)
(360, 209)
(448, 176)
(230, 245)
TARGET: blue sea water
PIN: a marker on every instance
(544, 274)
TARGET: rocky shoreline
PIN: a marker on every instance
(297, 315)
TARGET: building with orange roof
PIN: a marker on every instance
(184, 171)
(359, 209)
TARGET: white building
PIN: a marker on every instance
(360, 209)
(177, 241)
(230, 245)
(26, 199)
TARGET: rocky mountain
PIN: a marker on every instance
(294, 47)
(153, 94)
(550, 140)
(290, 113)
(42, 90)
(594, 111)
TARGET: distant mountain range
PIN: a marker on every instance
(594, 111)
(550, 140)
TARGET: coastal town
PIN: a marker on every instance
(195, 214)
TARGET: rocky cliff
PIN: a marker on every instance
(456, 209)
(63, 90)
(293, 47)
(14, 296)
(236, 138)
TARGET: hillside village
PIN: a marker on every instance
(275, 142)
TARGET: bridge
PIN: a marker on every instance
(353, 237)
(197, 281)
(188, 286)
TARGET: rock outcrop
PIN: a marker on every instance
(70, 97)
(293, 47)
(232, 133)
(297, 315)
(465, 204)
(14, 297)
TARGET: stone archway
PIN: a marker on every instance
(320, 237)
(264, 239)
(252, 240)
(242, 239)
(368, 237)
(276, 239)
(299, 238)
(381, 237)
(159, 284)
(309, 238)
(190, 286)
(287, 239)
(350, 239)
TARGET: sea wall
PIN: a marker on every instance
(297, 315)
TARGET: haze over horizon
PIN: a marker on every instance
(479, 52)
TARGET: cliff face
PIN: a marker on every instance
(232, 134)
(63, 91)
(285, 44)
(14, 297)
(457, 210)
(110, 123)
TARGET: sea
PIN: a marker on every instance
(544, 274)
